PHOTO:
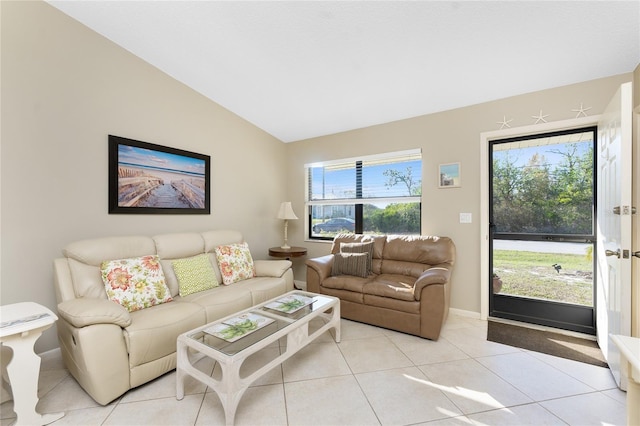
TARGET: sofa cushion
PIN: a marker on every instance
(344, 295)
(153, 332)
(135, 283)
(213, 239)
(194, 274)
(235, 262)
(399, 267)
(178, 245)
(265, 288)
(222, 300)
(351, 264)
(346, 282)
(86, 280)
(85, 257)
(410, 307)
(95, 251)
(393, 286)
(429, 250)
(360, 248)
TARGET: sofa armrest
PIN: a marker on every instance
(84, 312)
(322, 266)
(318, 269)
(435, 275)
(271, 268)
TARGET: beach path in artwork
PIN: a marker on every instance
(164, 196)
(157, 179)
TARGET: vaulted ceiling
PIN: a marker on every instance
(301, 69)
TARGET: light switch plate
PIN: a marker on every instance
(465, 217)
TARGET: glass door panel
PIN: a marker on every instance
(542, 229)
(559, 272)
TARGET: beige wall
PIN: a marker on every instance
(64, 89)
(451, 136)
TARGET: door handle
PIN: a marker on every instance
(625, 210)
(614, 253)
(636, 254)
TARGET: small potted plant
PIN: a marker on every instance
(497, 283)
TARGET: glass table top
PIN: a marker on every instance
(237, 332)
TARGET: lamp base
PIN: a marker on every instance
(285, 245)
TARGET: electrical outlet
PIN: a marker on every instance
(465, 217)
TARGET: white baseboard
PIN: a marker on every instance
(464, 313)
(55, 352)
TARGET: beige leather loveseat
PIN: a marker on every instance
(405, 288)
(110, 350)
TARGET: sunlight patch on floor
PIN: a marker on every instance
(481, 397)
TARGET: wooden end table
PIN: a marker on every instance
(287, 253)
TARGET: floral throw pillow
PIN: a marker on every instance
(235, 262)
(135, 283)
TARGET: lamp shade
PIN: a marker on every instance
(286, 211)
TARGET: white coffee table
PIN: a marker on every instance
(197, 343)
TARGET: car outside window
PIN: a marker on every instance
(375, 195)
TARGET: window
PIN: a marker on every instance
(379, 194)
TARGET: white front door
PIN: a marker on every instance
(613, 156)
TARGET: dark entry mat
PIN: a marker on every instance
(560, 345)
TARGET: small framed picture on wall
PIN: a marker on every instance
(449, 175)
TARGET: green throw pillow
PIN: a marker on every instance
(194, 274)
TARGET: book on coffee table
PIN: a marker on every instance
(290, 304)
(235, 328)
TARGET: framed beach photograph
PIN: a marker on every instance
(449, 175)
(145, 178)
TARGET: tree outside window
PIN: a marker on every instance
(378, 195)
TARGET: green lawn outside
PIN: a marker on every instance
(532, 274)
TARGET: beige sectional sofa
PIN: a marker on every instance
(406, 288)
(110, 350)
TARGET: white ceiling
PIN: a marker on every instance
(300, 69)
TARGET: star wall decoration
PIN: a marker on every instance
(540, 117)
(581, 111)
(504, 123)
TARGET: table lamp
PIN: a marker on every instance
(286, 213)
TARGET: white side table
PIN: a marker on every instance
(21, 325)
(630, 357)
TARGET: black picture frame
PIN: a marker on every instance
(145, 178)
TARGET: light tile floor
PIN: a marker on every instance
(373, 377)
